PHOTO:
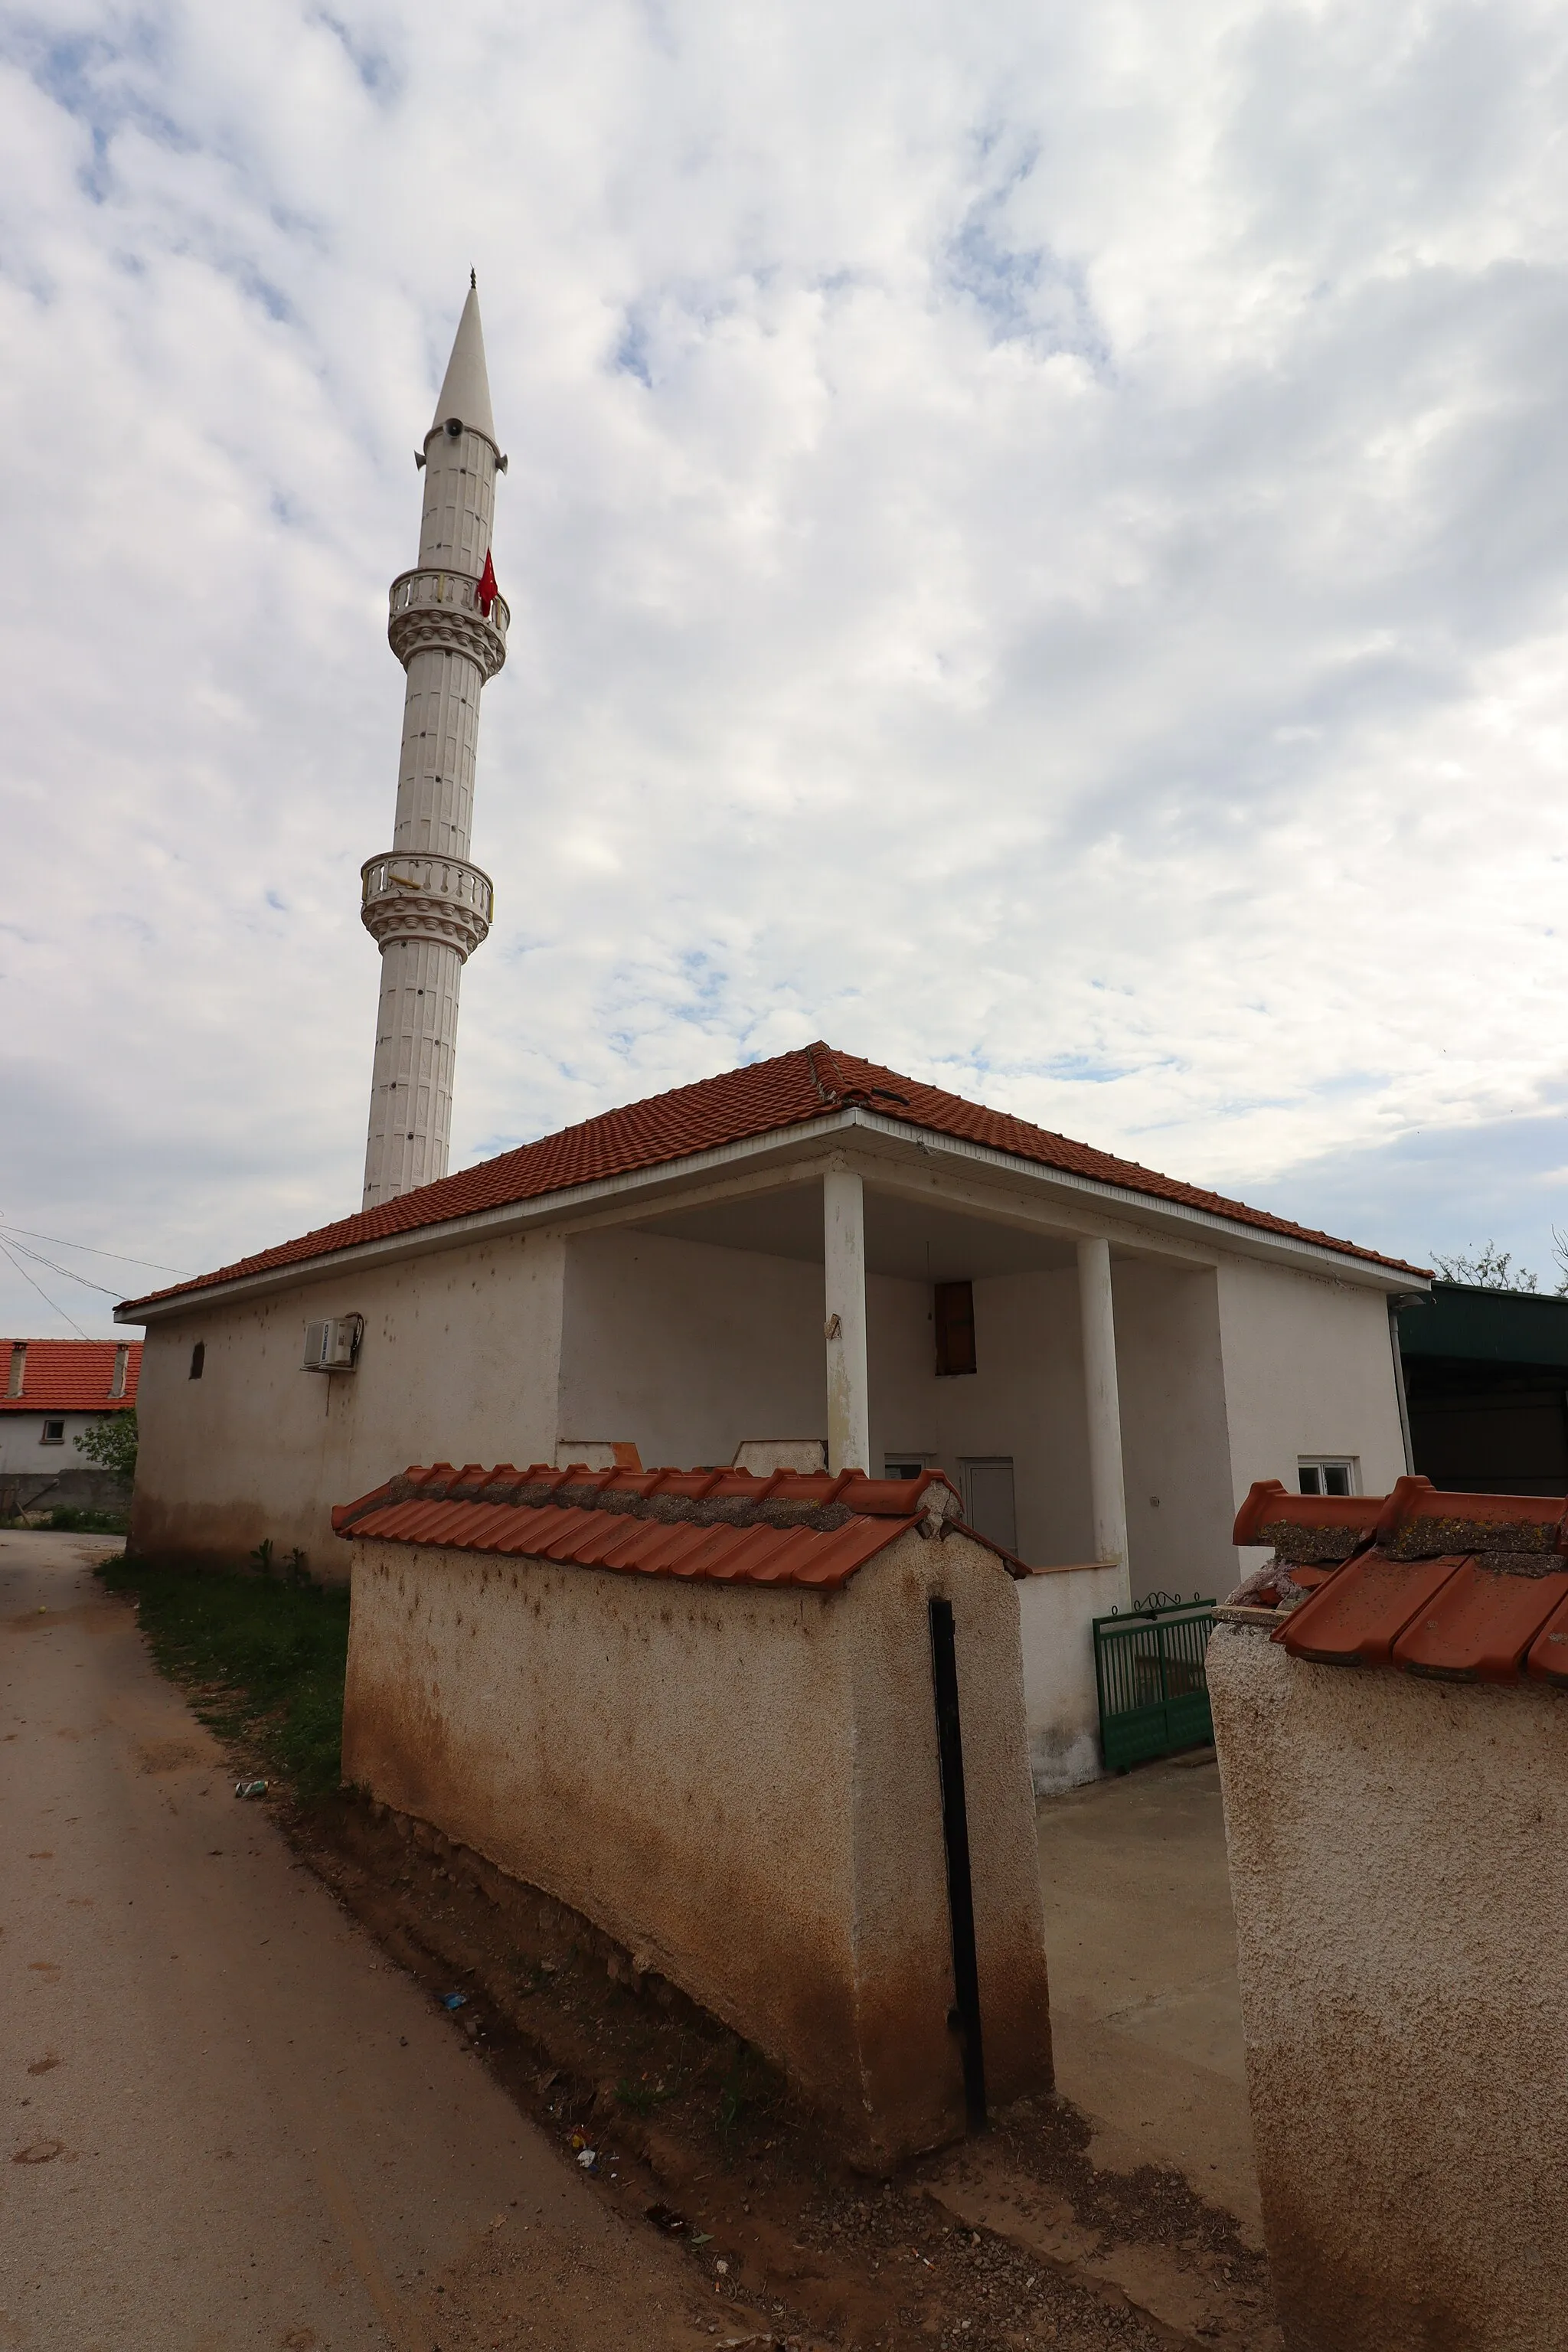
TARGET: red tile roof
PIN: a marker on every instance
(722, 1526)
(1459, 1587)
(763, 1098)
(68, 1375)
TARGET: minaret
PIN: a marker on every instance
(422, 902)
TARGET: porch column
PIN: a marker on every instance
(1107, 1492)
(844, 1296)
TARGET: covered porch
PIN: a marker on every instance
(1069, 1383)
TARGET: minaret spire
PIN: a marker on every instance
(423, 904)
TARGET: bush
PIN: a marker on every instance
(97, 1523)
(262, 1659)
(111, 1442)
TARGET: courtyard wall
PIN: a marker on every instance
(1396, 1846)
(740, 1783)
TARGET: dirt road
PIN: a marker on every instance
(230, 2123)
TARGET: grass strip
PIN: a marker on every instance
(262, 1660)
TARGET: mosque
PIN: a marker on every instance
(812, 1261)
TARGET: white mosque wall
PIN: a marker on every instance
(1309, 1370)
(1057, 1608)
(1023, 1405)
(499, 1351)
(460, 1362)
(1176, 1428)
(686, 1349)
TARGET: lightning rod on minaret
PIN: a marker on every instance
(427, 908)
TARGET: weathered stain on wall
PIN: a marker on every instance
(740, 1784)
(1395, 1853)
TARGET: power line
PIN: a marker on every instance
(44, 1295)
(69, 1271)
(60, 1242)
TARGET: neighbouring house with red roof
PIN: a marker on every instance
(811, 1261)
(50, 1391)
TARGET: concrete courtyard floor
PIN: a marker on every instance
(1140, 1944)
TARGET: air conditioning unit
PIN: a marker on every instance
(332, 1346)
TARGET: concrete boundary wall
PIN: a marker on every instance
(740, 1783)
(1395, 1848)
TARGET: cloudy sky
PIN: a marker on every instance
(1037, 540)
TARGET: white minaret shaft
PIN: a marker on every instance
(423, 904)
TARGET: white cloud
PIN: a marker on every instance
(1036, 548)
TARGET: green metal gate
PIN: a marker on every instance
(1149, 1666)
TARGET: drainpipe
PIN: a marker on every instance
(1102, 1397)
(843, 1329)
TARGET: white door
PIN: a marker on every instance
(988, 1498)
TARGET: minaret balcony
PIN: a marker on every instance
(440, 610)
(409, 895)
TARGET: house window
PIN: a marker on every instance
(987, 1483)
(954, 1329)
(1328, 1473)
(54, 1433)
(904, 1465)
(198, 1359)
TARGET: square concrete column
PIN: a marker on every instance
(1103, 1403)
(844, 1297)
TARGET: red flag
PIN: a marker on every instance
(487, 592)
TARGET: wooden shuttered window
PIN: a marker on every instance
(954, 1327)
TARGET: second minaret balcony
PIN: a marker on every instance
(409, 894)
(441, 611)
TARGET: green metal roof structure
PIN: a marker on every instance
(1463, 1324)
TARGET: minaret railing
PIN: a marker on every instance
(444, 610)
(409, 895)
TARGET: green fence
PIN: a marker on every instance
(1149, 1666)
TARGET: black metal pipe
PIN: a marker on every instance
(955, 1841)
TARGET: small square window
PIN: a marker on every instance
(1326, 1474)
(54, 1433)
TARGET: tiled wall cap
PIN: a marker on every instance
(1270, 1503)
(1355, 1619)
(1480, 1625)
(1416, 1511)
(548, 1498)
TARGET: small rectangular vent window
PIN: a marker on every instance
(955, 1308)
(198, 1359)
